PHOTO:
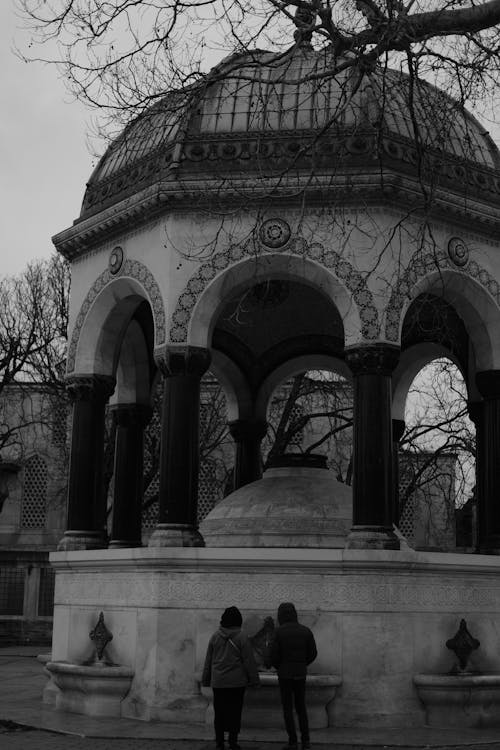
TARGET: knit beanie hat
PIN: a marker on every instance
(287, 613)
(231, 618)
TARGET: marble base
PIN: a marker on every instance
(80, 540)
(467, 700)
(378, 616)
(175, 535)
(372, 537)
(262, 707)
(92, 690)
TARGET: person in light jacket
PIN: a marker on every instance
(292, 650)
(229, 668)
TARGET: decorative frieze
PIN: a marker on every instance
(422, 265)
(360, 592)
(296, 245)
(127, 268)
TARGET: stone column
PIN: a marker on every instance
(476, 415)
(398, 428)
(131, 419)
(247, 435)
(86, 524)
(373, 493)
(182, 368)
(488, 461)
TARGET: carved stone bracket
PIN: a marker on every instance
(376, 359)
(90, 387)
(182, 360)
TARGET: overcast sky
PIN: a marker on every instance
(44, 160)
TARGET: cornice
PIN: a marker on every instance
(370, 187)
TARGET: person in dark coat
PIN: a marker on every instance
(292, 650)
(229, 667)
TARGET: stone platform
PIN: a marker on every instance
(379, 618)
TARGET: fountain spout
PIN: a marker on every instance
(462, 644)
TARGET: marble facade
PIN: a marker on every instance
(379, 618)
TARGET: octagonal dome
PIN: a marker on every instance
(291, 506)
(258, 114)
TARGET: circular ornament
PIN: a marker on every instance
(458, 251)
(274, 233)
(115, 259)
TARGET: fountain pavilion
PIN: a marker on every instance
(371, 219)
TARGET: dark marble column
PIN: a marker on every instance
(476, 415)
(488, 463)
(247, 435)
(131, 420)
(373, 493)
(182, 368)
(86, 524)
(398, 428)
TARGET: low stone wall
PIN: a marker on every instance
(379, 618)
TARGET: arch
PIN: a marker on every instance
(233, 382)
(470, 289)
(411, 361)
(133, 376)
(294, 367)
(238, 265)
(133, 283)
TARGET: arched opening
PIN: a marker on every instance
(436, 440)
(310, 414)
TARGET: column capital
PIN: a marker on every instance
(373, 359)
(182, 360)
(488, 384)
(132, 415)
(247, 429)
(91, 387)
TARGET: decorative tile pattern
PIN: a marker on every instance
(338, 266)
(133, 269)
(420, 266)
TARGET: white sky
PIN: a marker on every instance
(44, 160)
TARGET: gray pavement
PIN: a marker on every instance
(26, 724)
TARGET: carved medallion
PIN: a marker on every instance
(274, 233)
(458, 251)
(115, 259)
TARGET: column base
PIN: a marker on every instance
(372, 537)
(73, 540)
(175, 535)
(124, 543)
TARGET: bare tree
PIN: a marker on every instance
(33, 323)
(122, 55)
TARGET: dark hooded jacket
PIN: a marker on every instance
(229, 661)
(294, 647)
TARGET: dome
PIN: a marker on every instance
(258, 114)
(291, 506)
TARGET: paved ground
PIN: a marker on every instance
(25, 724)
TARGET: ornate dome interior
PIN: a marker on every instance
(258, 115)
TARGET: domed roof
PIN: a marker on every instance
(293, 506)
(261, 114)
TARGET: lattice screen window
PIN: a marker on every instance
(33, 513)
(209, 490)
(60, 422)
(407, 520)
(296, 413)
(151, 444)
